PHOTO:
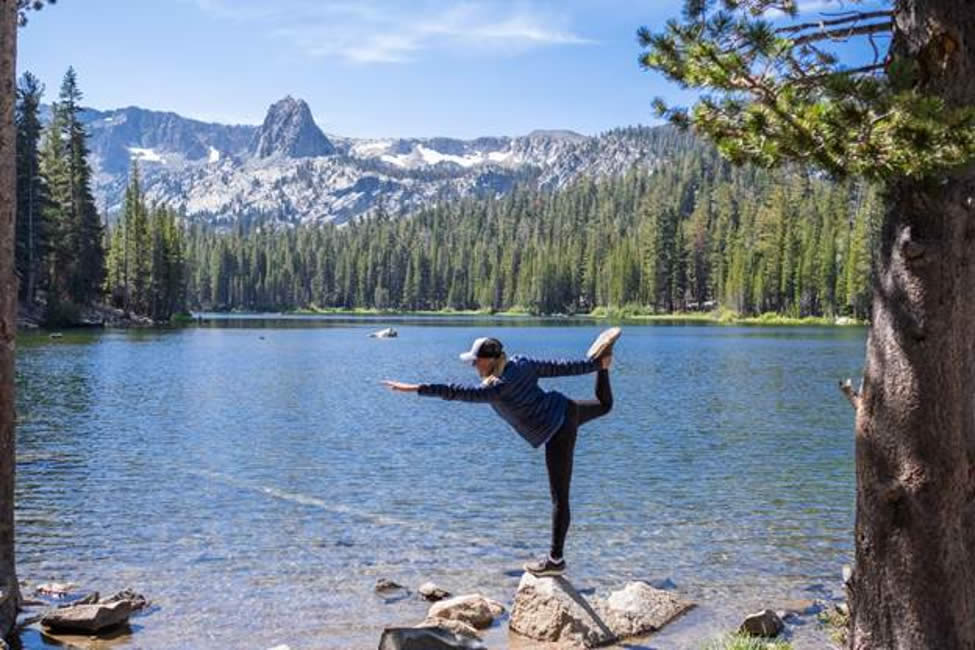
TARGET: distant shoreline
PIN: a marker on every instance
(723, 317)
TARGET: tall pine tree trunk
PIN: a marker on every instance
(9, 592)
(914, 580)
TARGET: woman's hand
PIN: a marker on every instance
(400, 386)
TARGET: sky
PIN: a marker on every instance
(367, 68)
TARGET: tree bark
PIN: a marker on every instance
(913, 584)
(9, 592)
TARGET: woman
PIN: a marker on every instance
(540, 417)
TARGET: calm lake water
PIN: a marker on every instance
(253, 478)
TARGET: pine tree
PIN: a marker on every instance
(87, 272)
(32, 197)
(779, 92)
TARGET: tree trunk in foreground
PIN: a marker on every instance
(913, 585)
(9, 592)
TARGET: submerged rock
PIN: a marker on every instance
(801, 607)
(88, 619)
(765, 623)
(639, 608)
(473, 609)
(384, 585)
(431, 591)
(550, 609)
(425, 638)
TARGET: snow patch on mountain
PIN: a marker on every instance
(145, 155)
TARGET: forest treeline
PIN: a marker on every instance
(695, 233)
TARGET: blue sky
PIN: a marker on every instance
(367, 68)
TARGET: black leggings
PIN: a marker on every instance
(558, 455)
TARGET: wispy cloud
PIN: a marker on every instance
(371, 31)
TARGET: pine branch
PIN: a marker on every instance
(844, 33)
(858, 16)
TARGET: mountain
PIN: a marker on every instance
(290, 131)
(288, 170)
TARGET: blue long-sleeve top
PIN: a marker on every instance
(516, 396)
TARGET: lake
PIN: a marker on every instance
(253, 479)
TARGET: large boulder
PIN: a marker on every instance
(425, 638)
(88, 619)
(639, 608)
(550, 609)
(473, 609)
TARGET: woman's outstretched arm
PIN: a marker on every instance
(563, 368)
(489, 393)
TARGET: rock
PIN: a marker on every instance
(57, 589)
(473, 609)
(843, 609)
(459, 628)
(550, 609)
(137, 601)
(431, 591)
(639, 608)
(425, 638)
(88, 619)
(384, 584)
(765, 623)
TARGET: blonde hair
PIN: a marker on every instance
(496, 369)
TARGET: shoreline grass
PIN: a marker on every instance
(737, 641)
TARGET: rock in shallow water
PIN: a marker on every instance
(765, 623)
(425, 638)
(89, 619)
(473, 609)
(384, 584)
(550, 609)
(431, 591)
(639, 609)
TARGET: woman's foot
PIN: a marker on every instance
(603, 345)
(546, 567)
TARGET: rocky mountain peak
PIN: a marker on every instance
(289, 130)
